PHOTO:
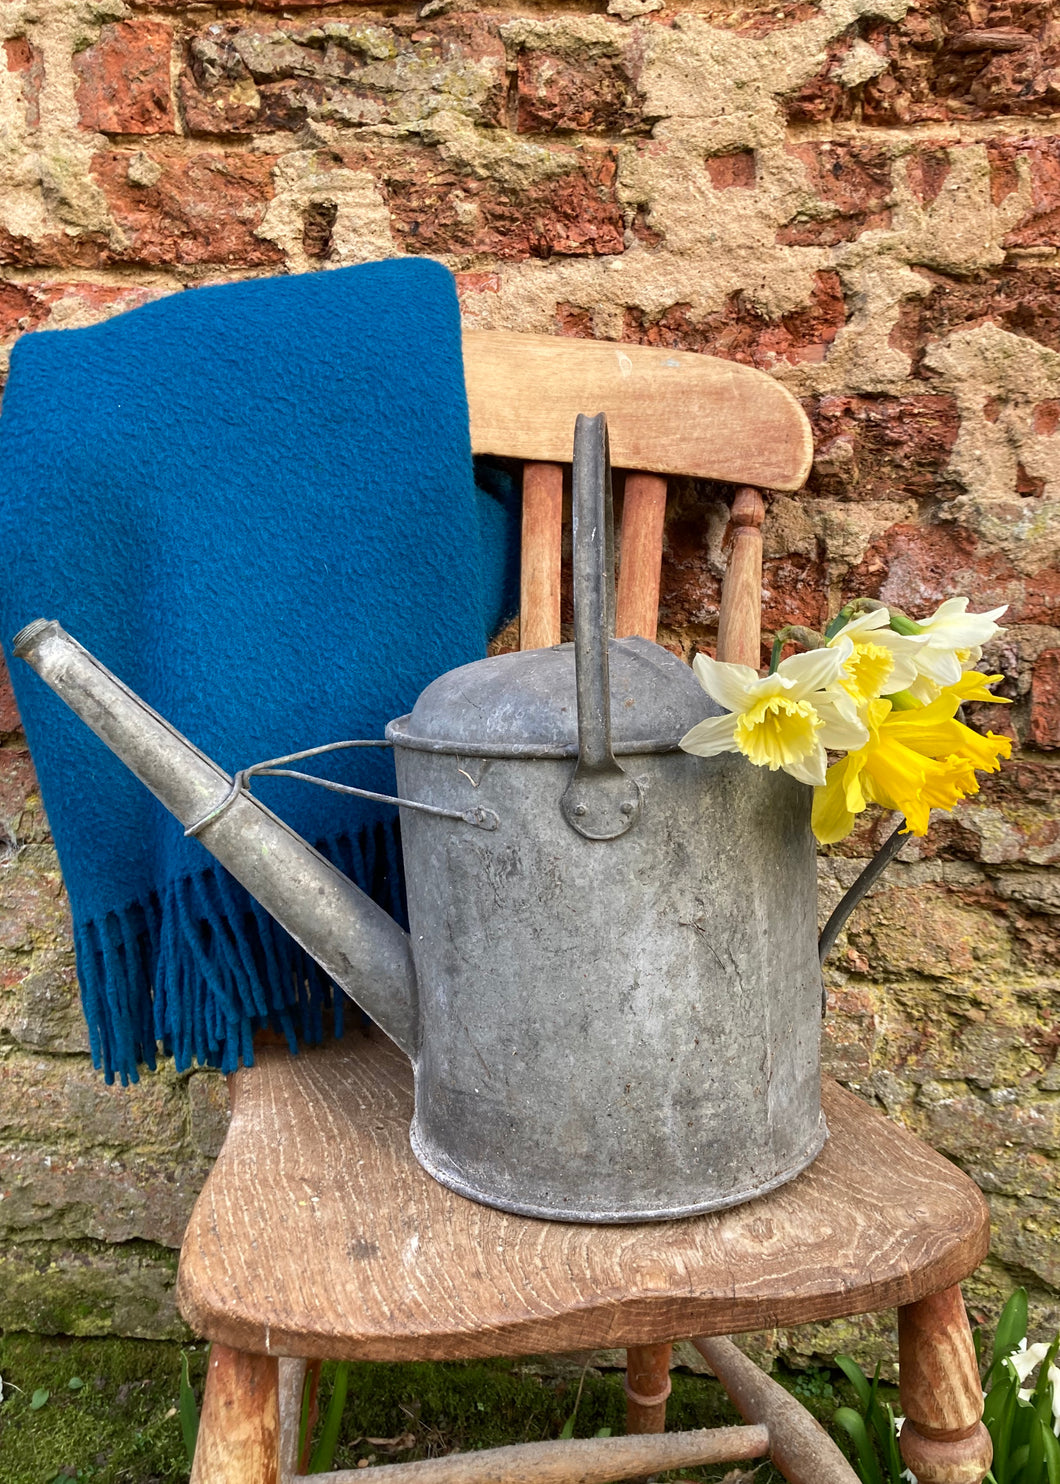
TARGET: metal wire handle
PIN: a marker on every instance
(483, 819)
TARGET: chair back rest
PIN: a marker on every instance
(668, 412)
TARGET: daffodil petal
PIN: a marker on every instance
(708, 738)
(730, 685)
(810, 769)
(842, 731)
(813, 670)
(831, 819)
(940, 665)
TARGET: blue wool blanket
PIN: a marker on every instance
(255, 504)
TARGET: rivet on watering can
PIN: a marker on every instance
(579, 809)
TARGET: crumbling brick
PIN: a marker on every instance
(200, 208)
(123, 80)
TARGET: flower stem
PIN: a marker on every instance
(875, 868)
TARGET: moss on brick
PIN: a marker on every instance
(90, 1288)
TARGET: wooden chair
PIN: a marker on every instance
(318, 1235)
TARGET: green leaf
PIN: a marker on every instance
(1002, 1434)
(602, 1432)
(188, 1409)
(1017, 1460)
(857, 1378)
(891, 1451)
(324, 1453)
(75, 1383)
(567, 1430)
(1052, 1454)
(1035, 1466)
(854, 1427)
(303, 1418)
(1011, 1328)
(37, 1400)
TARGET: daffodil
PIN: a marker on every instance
(882, 661)
(915, 761)
(1026, 1359)
(955, 640)
(785, 720)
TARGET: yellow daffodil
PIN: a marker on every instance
(882, 661)
(915, 761)
(785, 720)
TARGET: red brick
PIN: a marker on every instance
(9, 717)
(1041, 227)
(23, 57)
(574, 321)
(20, 310)
(854, 177)
(946, 62)
(124, 85)
(594, 95)
(690, 590)
(54, 250)
(250, 79)
(1046, 418)
(917, 567)
(434, 209)
(883, 448)
(823, 98)
(477, 283)
(734, 169)
(201, 208)
(1045, 701)
(926, 171)
(740, 332)
(794, 590)
(1021, 298)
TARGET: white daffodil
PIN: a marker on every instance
(1025, 1359)
(785, 720)
(955, 640)
(882, 661)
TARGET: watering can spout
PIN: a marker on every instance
(354, 940)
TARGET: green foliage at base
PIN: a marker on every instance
(114, 1411)
(109, 1413)
(1018, 1411)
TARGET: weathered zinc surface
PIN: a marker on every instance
(861, 197)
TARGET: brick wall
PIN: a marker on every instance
(858, 196)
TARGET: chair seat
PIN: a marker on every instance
(318, 1235)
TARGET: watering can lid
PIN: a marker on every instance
(524, 705)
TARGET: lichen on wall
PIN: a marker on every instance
(860, 197)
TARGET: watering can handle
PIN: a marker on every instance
(601, 801)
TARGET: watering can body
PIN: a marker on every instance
(610, 991)
(609, 1030)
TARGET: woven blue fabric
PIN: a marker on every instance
(255, 504)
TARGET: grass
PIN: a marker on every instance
(122, 1424)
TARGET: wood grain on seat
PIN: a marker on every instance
(317, 1234)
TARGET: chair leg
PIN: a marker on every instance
(647, 1387)
(943, 1439)
(239, 1428)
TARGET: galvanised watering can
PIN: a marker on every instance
(610, 992)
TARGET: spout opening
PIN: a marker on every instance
(23, 640)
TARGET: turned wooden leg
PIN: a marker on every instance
(943, 1439)
(239, 1429)
(647, 1387)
